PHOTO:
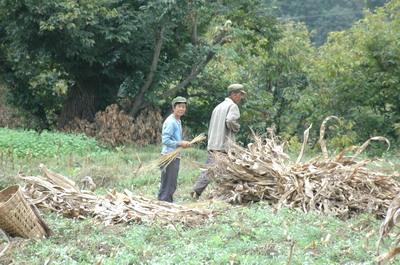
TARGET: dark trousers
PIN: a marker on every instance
(169, 178)
(203, 180)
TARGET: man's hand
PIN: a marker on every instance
(184, 144)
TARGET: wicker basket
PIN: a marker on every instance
(18, 218)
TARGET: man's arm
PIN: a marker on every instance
(167, 137)
(232, 119)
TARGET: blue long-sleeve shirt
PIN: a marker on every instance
(171, 134)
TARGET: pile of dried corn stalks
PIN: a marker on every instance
(115, 127)
(59, 194)
(340, 186)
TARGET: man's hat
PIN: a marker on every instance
(178, 100)
(236, 88)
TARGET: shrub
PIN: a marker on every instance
(29, 143)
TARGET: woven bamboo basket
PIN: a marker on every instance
(18, 217)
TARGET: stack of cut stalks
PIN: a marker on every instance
(147, 127)
(341, 185)
(114, 127)
(81, 126)
(59, 194)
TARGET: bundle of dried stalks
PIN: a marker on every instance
(147, 127)
(166, 159)
(341, 185)
(114, 127)
(81, 126)
(59, 194)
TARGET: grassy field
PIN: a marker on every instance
(248, 234)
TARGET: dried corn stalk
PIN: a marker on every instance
(388, 225)
(8, 243)
(59, 194)
(340, 186)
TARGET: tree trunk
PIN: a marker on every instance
(81, 103)
(195, 38)
(139, 98)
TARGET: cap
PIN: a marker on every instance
(178, 100)
(236, 88)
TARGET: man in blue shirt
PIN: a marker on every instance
(172, 138)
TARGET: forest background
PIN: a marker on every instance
(299, 60)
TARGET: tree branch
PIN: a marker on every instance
(138, 101)
(220, 39)
(194, 29)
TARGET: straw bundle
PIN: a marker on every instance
(340, 186)
(114, 127)
(166, 159)
(59, 194)
(147, 127)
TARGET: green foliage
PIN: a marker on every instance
(31, 144)
(272, 64)
(322, 17)
(356, 75)
(338, 135)
(254, 32)
(86, 53)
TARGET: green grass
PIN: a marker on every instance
(248, 234)
(242, 235)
